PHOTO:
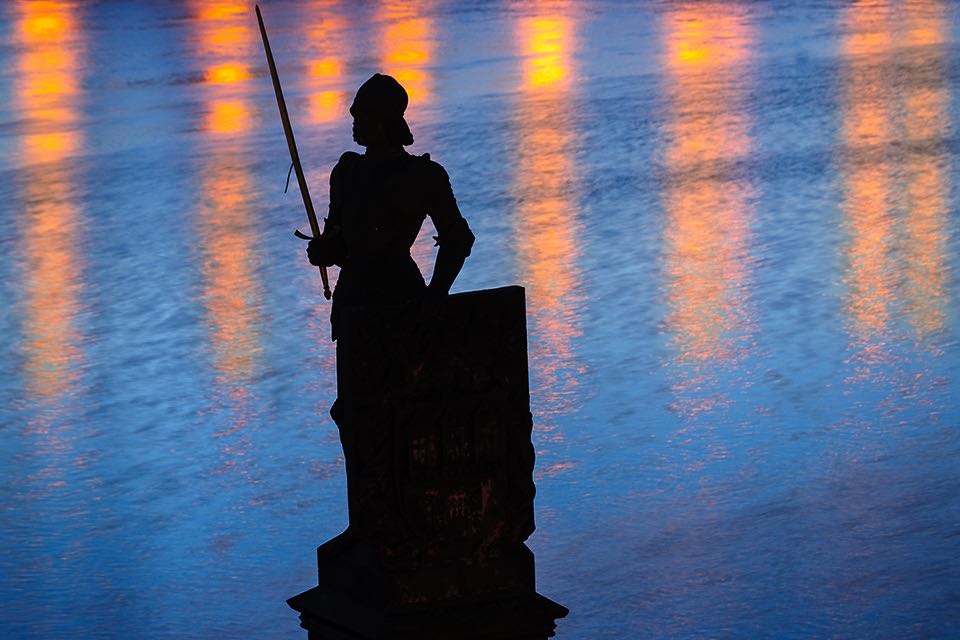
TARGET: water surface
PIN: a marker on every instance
(736, 223)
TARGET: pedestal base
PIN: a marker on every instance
(434, 418)
(328, 615)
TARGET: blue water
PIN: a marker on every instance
(736, 223)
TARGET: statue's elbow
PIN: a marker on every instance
(457, 242)
(463, 241)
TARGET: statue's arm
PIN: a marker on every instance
(453, 233)
(329, 249)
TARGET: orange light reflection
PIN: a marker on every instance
(325, 68)
(927, 123)
(407, 47)
(227, 116)
(231, 289)
(707, 226)
(227, 73)
(547, 225)
(867, 130)
(226, 37)
(225, 216)
(47, 93)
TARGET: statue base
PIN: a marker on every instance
(434, 419)
(327, 615)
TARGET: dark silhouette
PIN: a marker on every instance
(432, 408)
(378, 202)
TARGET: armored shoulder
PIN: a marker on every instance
(347, 159)
(433, 171)
(453, 230)
(346, 162)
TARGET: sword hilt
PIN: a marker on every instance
(323, 270)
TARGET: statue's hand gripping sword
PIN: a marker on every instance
(292, 146)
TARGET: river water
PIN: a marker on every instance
(736, 223)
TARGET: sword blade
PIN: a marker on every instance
(292, 146)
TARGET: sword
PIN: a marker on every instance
(292, 146)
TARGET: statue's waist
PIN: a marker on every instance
(379, 255)
(377, 275)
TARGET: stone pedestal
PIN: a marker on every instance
(434, 418)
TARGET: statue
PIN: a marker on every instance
(378, 202)
(432, 409)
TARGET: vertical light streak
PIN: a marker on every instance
(47, 97)
(326, 66)
(231, 291)
(225, 39)
(547, 227)
(867, 132)
(408, 47)
(707, 225)
(926, 112)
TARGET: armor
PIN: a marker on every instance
(378, 202)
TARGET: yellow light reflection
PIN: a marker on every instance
(215, 12)
(707, 225)
(407, 47)
(547, 52)
(227, 73)
(547, 225)
(325, 68)
(47, 81)
(225, 39)
(47, 25)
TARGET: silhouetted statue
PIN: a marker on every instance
(432, 408)
(378, 202)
